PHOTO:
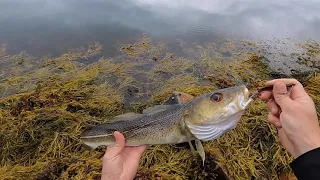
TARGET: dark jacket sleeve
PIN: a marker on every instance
(307, 166)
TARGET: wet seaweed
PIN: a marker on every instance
(46, 102)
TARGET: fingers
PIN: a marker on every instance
(274, 120)
(281, 95)
(297, 89)
(141, 149)
(273, 107)
(285, 81)
(274, 113)
(264, 95)
(114, 151)
(135, 151)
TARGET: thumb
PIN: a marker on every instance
(281, 95)
(115, 150)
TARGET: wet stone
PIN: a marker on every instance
(130, 96)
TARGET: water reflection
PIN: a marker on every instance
(54, 26)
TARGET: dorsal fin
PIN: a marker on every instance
(125, 117)
(155, 109)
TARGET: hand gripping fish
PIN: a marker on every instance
(203, 118)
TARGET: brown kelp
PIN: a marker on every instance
(46, 102)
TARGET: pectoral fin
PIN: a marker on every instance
(186, 133)
(200, 150)
(191, 147)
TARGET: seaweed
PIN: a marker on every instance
(46, 102)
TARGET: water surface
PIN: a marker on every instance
(55, 26)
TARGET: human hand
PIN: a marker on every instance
(294, 115)
(121, 162)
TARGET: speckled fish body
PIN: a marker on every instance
(204, 118)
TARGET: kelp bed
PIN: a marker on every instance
(46, 102)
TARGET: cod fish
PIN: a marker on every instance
(204, 118)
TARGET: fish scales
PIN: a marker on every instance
(162, 128)
(203, 118)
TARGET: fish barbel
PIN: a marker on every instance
(203, 118)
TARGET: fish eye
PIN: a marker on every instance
(216, 97)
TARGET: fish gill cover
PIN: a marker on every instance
(46, 102)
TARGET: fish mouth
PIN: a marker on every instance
(244, 99)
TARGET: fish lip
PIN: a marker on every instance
(244, 99)
(246, 94)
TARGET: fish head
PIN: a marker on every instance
(220, 105)
(216, 112)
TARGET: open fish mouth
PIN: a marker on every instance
(243, 98)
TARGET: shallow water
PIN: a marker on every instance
(55, 26)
